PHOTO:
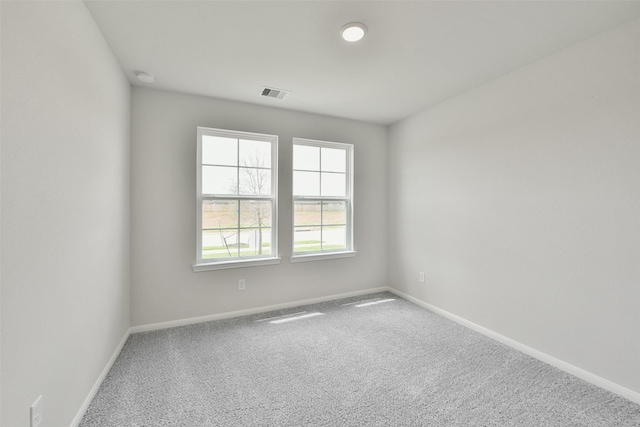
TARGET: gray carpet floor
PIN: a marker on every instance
(390, 363)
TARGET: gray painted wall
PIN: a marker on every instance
(65, 210)
(520, 200)
(164, 287)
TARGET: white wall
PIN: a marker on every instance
(520, 200)
(65, 210)
(0, 223)
(164, 287)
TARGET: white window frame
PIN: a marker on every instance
(205, 264)
(348, 198)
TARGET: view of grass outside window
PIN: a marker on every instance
(322, 197)
(236, 195)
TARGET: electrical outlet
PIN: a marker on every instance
(242, 284)
(421, 277)
(36, 412)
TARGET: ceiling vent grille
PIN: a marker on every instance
(270, 92)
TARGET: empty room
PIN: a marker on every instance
(319, 213)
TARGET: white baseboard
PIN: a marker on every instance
(98, 383)
(560, 364)
(238, 313)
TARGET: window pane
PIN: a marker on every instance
(306, 239)
(218, 244)
(334, 238)
(255, 241)
(255, 234)
(334, 213)
(256, 154)
(334, 160)
(255, 181)
(255, 213)
(334, 184)
(219, 151)
(306, 158)
(307, 213)
(220, 229)
(219, 180)
(218, 214)
(306, 183)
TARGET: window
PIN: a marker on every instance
(322, 199)
(236, 199)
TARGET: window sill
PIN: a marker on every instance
(235, 264)
(322, 256)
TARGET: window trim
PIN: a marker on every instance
(206, 264)
(348, 198)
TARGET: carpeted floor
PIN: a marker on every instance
(386, 362)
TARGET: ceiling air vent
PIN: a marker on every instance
(270, 92)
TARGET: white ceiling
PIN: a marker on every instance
(415, 55)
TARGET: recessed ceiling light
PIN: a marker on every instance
(353, 31)
(145, 77)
